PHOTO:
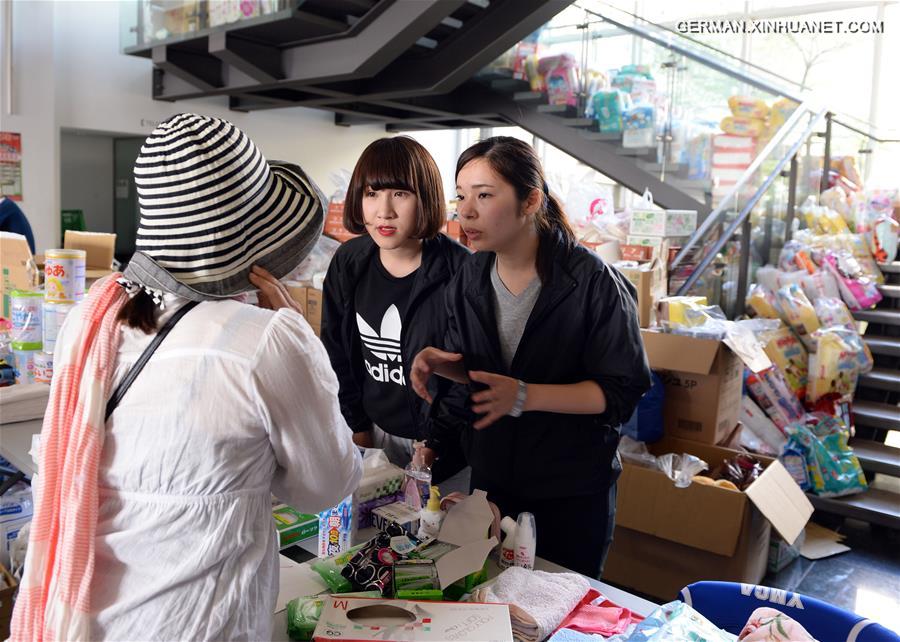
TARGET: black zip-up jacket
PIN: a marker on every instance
(424, 324)
(584, 326)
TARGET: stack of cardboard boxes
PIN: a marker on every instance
(310, 300)
(668, 537)
(651, 234)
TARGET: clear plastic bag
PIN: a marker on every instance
(680, 468)
(635, 452)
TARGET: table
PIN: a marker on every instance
(299, 579)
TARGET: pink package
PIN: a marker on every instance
(857, 290)
(562, 82)
(769, 389)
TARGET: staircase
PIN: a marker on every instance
(876, 411)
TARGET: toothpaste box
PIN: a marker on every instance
(336, 529)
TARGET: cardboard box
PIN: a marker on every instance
(668, 537)
(378, 619)
(703, 382)
(100, 250)
(636, 252)
(398, 513)
(648, 223)
(8, 586)
(663, 223)
(465, 528)
(297, 290)
(655, 242)
(19, 270)
(293, 526)
(650, 282)
(334, 223)
(314, 307)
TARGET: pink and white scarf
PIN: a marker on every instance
(54, 598)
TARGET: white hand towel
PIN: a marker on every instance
(538, 601)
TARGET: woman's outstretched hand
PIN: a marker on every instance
(433, 361)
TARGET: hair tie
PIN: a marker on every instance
(546, 188)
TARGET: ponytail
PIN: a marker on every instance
(553, 226)
(139, 313)
(519, 165)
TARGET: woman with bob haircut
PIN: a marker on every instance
(384, 298)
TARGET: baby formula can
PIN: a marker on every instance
(43, 367)
(27, 313)
(24, 363)
(64, 272)
(54, 315)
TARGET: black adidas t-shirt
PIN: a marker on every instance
(381, 301)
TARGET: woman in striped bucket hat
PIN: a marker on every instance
(154, 516)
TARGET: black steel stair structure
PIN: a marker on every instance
(405, 64)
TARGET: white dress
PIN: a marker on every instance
(236, 404)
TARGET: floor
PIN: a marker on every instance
(865, 580)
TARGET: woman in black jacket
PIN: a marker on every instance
(547, 336)
(383, 298)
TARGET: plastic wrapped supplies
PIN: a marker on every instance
(834, 366)
(799, 313)
(858, 291)
(833, 312)
(763, 303)
(832, 468)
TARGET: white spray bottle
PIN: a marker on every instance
(508, 548)
(526, 541)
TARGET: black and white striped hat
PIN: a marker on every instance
(212, 207)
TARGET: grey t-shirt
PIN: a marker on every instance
(512, 313)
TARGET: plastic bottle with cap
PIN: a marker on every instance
(508, 548)
(418, 476)
(431, 517)
(526, 541)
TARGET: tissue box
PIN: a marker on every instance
(373, 619)
(381, 484)
(293, 526)
(398, 513)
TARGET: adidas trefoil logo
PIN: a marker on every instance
(384, 345)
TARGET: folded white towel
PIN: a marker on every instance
(538, 601)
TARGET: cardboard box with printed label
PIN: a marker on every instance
(668, 537)
(663, 223)
(703, 382)
(293, 526)
(649, 280)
